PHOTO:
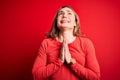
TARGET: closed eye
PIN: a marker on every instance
(60, 13)
(70, 13)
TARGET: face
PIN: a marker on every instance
(66, 18)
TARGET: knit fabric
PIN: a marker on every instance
(48, 66)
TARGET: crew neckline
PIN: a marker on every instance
(68, 43)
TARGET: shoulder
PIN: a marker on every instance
(47, 41)
(86, 42)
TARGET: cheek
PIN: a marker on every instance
(58, 22)
(58, 19)
(73, 21)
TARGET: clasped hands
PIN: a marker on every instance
(65, 55)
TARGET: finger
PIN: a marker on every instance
(65, 43)
(62, 49)
(65, 40)
(62, 54)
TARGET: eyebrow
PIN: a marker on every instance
(66, 10)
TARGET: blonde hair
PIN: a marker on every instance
(54, 31)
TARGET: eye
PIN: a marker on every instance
(69, 13)
(60, 13)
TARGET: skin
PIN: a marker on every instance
(66, 23)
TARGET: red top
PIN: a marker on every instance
(48, 66)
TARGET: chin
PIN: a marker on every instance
(66, 27)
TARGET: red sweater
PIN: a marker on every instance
(48, 66)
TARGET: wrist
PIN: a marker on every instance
(72, 61)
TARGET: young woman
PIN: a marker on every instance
(65, 54)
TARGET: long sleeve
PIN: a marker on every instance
(41, 70)
(91, 69)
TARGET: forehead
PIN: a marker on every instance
(65, 9)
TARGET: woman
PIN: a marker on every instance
(65, 54)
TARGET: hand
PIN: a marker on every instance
(67, 54)
(62, 54)
(72, 61)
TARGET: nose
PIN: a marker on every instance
(64, 15)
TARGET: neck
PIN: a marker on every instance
(67, 35)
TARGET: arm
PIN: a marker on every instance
(41, 70)
(91, 69)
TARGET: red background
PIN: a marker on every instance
(23, 24)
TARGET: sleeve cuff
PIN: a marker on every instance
(58, 62)
(73, 65)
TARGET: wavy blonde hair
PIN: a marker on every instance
(54, 31)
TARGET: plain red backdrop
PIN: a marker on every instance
(23, 24)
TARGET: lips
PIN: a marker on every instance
(64, 21)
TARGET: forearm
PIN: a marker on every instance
(84, 72)
(43, 72)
